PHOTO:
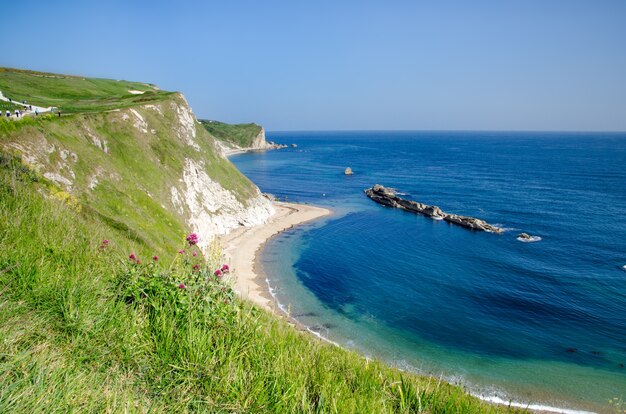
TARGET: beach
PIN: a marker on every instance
(241, 246)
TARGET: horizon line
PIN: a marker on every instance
(549, 131)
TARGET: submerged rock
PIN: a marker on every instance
(348, 171)
(388, 197)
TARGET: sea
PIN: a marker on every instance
(539, 324)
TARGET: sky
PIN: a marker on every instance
(346, 65)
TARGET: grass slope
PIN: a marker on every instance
(71, 340)
(240, 135)
(84, 329)
(75, 93)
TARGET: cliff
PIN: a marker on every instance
(233, 138)
(146, 165)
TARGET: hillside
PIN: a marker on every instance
(105, 307)
(148, 168)
(239, 137)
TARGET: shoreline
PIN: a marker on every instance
(241, 248)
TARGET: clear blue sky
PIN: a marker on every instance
(296, 65)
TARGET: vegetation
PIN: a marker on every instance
(106, 307)
(84, 328)
(9, 106)
(240, 135)
(75, 93)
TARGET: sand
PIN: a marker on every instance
(242, 246)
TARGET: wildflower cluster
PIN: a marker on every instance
(192, 239)
(189, 285)
(133, 258)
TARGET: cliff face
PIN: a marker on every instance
(149, 167)
(259, 141)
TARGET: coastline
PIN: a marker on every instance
(241, 247)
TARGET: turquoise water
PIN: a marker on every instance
(541, 323)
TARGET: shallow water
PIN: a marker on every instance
(541, 322)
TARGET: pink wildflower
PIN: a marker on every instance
(155, 258)
(225, 268)
(181, 251)
(218, 273)
(138, 261)
(192, 239)
(196, 267)
(182, 286)
(194, 254)
(105, 241)
(132, 256)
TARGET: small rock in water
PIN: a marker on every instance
(294, 145)
(525, 237)
(348, 171)
(571, 350)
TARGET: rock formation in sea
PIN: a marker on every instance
(388, 197)
(348, 171)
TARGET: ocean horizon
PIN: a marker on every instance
(539, 323)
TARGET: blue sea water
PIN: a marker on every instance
(541, 323)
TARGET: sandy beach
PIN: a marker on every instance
(242, 245)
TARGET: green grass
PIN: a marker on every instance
(9, 106)
(241, 135)
(74, 93)
(83, 330)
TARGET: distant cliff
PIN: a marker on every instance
(239, 137)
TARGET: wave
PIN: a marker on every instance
(530, 240)
(535, 407)
(287, 313)
(505, 229)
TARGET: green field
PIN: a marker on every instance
(83, 328)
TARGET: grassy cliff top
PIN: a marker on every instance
(75, 93)
(240, 135)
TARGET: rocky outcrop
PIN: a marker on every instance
(388, 197)
(260, 143)
(348, 171)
